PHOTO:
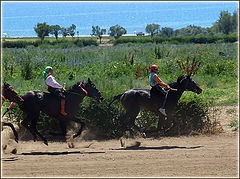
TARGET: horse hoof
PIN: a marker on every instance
(144, 135)
(74, 136)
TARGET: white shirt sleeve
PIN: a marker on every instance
(50, 81)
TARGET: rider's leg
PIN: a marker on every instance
(162, 109)
(63, 101)
(58, 93)
(163, 93)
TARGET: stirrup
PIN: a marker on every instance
(162, 111)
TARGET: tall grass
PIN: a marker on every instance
(113, 73)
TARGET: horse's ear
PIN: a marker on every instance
(6, 84)
(180, 78)
(89, 81)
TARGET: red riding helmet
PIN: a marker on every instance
(153, 67)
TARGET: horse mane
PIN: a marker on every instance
(75, 86)
(175, 83)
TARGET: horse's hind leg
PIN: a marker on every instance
(81, 128)
(128, 120)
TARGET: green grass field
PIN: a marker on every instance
(119, 68)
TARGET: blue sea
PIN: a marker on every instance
(19, 18)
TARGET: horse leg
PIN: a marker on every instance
(25, 122)
(128, 121)
(81, 128)
(160, 122)
(34, 128)
(63, 127)
(13, 129)
(172, 125)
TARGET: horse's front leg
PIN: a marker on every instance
(13, 129)
(161, 122)
(80, 129)
(34, 128)
(171, 124)
(25, 122)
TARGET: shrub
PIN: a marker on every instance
(16, 44)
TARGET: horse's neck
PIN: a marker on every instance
(174, 96)
(75, 96)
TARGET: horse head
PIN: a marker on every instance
(9, 93)
(87, 88)
(186, 83)
(92, 91)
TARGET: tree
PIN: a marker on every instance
(152, 29)
(235, 21)
(55, 30)
(166, 32)
(117, 31)
(64, 32)
(191, 30)
(42, 30)
(97, 31)
(71, 30)
(225, 22)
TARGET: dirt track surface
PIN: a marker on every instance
(190, 156)
(195, 156)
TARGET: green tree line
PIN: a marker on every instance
(226, 24)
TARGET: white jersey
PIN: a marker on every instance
(50, 81)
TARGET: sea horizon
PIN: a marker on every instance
(19, 18)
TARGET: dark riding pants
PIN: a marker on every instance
(159, 93)
(57, 92)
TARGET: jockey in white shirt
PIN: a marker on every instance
(54, 87)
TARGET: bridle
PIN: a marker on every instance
(4, 99)
(85, 91)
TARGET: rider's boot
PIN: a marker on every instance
(63, 107)
(163, 111)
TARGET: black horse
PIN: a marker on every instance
(36, 101)
(136, 99)
(8, 93)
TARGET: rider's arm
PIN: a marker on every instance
(159, 81)
(50, 81)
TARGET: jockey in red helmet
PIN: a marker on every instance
(156, 83)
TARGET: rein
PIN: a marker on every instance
(3, 98)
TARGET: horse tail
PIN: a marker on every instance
(115, 98)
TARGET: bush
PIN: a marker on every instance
(191, 115)
(61, 43)
(16, 44)
(179, 39)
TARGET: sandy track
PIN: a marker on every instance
(192, 156)
(195, 156)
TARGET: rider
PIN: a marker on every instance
(156, 83)
(54, 87)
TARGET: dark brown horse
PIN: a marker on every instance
(36, 101)
(8, 93)
(136, 99)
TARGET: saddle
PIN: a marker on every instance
(39, 95)
(157, 93)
